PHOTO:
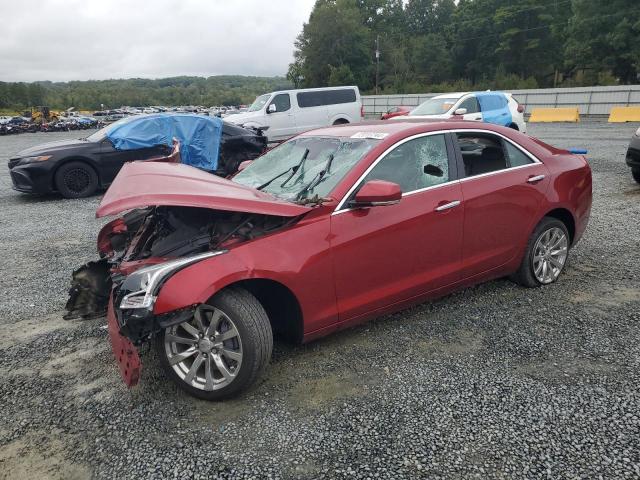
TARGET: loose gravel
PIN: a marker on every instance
(495, 381)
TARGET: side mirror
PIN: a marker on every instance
(377, 193)
(272, 108)
(244, 165)
(433, 170)
(460, 111)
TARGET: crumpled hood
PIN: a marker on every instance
(49, 148)
(144, 184)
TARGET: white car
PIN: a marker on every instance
(491, 107)
(4, 119)
(286, 113)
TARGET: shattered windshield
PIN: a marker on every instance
(259, 102)
(435, 106)
(306, 167)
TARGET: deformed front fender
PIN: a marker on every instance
(198, 282)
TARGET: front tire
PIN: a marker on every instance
(221, 350)
(546, 254)
(76, 180)
(635, 172)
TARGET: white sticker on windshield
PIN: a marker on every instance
(374, 135)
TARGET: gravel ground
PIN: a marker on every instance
(495, 381)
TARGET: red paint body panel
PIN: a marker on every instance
(142, 184)
(298, 258)
(384, 255)
(345, 267)
(125, 352)
(499, 214)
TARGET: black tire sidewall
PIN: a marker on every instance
(251, 361)
(635, 173)
(62, 187)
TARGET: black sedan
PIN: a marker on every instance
(79, 168)
(633, 156)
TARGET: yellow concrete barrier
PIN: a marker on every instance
(624, 114)
(567, 114)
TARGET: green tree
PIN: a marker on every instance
(335, 36)
(605, 36)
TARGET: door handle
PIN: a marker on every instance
(535, 179)
(447, 206)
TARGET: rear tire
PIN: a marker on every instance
(76, 180)
(545, 255)
(341, 121)
(222, 354)
(635, 172)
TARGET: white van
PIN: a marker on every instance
(286, 113)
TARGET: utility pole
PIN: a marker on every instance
(377, 60)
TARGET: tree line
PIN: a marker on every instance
(444, 45)
(91, 95)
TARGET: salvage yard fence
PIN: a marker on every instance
(591, 101)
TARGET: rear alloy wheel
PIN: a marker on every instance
(546, 255)
(221, 350)
(635, 172)
(76, 180)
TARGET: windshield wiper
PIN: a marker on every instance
(293, 169)
(317, 179)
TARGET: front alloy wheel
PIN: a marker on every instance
(206, 352)
(221, 349)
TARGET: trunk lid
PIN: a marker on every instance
(144, 184)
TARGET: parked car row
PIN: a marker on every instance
(64, 124)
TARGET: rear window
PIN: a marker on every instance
(326, 97)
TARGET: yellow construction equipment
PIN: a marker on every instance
(42, 114)
(566, 114)
(624, 114)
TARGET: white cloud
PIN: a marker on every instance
(98, 39)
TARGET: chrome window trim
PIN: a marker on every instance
(339, 209)
(535, 160)
(479, 130)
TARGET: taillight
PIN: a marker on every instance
(520, 108)
(361, 111)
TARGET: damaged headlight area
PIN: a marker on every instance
(143, 284)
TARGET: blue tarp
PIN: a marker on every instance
(199, 136)
(495, 108)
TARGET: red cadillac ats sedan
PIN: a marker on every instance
(329, 229)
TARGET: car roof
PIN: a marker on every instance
(461, 94)
(396, 127)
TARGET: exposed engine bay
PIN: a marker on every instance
(151, 236)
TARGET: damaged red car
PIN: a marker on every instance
(329, 229)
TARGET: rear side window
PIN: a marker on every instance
(493, 102)
(515, 156)
(485, 153)
(326, 97)
(481, 153)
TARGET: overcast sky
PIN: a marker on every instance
(98, 39)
